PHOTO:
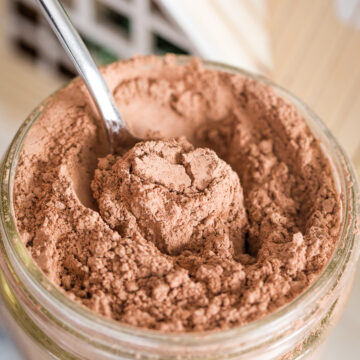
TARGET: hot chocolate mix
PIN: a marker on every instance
(226, 212)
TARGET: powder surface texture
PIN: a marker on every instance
(226, 212)
(178, 197)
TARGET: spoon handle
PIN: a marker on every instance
(85, 65)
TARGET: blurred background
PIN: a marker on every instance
(312, 48)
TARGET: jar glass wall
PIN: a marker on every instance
(46, 321)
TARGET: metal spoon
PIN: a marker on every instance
(87, 69)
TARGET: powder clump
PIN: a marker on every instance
(170, 193)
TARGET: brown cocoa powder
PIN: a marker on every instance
(178, 197)
(170, 235)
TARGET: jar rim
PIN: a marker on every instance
(347, 248)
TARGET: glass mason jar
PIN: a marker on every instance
(48, 325)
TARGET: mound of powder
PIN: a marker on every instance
(178, 235)
(173, 195)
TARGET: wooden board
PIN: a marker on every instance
(317, 57)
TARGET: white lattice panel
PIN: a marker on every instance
(231, 31)
(121, 28)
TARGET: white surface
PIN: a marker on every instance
(219, 30)
(348, 11)
(344, 342)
